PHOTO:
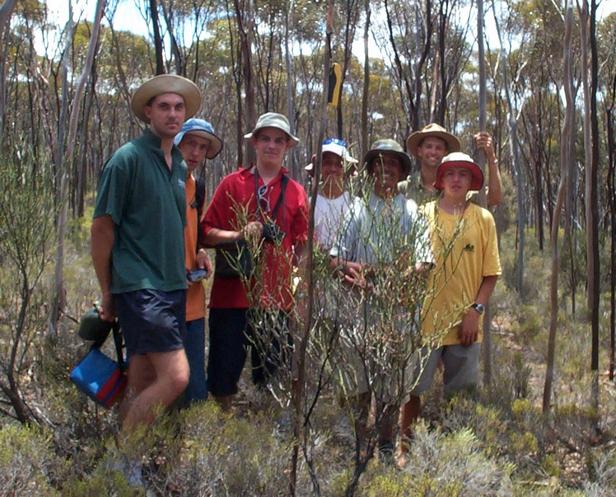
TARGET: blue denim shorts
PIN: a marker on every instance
(152, 320)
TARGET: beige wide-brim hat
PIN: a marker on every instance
(273, 120)
(432, 129)
(166, 83)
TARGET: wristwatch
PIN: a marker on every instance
(480, 308)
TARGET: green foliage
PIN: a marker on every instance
(455, 464)
(26, 461)
(26, 237)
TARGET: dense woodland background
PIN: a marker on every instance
(543, 82)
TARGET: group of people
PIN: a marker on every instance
(151, 229)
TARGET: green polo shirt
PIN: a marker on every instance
(415, 190)
(147, 203)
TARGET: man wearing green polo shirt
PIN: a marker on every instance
(429, 145)
(138, 251)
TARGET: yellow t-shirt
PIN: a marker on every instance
(195, 295)
(466, 250)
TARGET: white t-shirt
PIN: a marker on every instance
(328, 216)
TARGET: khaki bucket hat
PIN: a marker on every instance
(166, 83)
(432, 129)
(273, 120)
(391, 146)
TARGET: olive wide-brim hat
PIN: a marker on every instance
(432, 129)
(391, 146)
(273, 120)
(166, 83)
(458, 159)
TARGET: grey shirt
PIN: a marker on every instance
(377, 231)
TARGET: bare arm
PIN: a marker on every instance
(469, 330)
(102, 237)
(216, 236)
(483, 141)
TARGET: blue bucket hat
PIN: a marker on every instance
(204, 129)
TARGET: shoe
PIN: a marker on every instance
(133, 474)
(386, 452)
(131, 469)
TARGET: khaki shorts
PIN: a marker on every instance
(363, 365)
(461, 368)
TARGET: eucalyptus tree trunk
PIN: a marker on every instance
(410, 86)
(6, 10)
(481, 161)
(158, 41)
(567, 137)
(305, 323)
(611, 194)
(591, 159)
(514, 148)
(366, 94)
(60, 180)
(235, 54)
(293, 153)
(178, 56)
(351, 19)
(66, 157)
(244, 15)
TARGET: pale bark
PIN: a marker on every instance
(611, 188)
(64, 164)
(366, 92)
(481, 161)
(6, 10)
(305, 323)
(294, 166)
(514, 148)
(591, 158)
(567, 136)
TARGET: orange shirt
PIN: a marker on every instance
(195, 295)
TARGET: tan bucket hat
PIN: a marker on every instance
(166, 83)
(273, 120)
(432, 129)
(391, 146)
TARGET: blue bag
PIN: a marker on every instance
(100, 377)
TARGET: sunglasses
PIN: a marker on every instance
(262, 199)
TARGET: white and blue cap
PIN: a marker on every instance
(204, 129)
(337, 147)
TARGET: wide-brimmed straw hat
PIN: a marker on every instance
(201, 127)
(458, 159)
(273, 120)
(166, 83)
(433, 129)
(380, 147)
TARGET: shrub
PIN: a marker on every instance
(455, 465)
(26, 462)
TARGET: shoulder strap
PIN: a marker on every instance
(200, 201)
(200, 195)
(117, 340)
(283, 186)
